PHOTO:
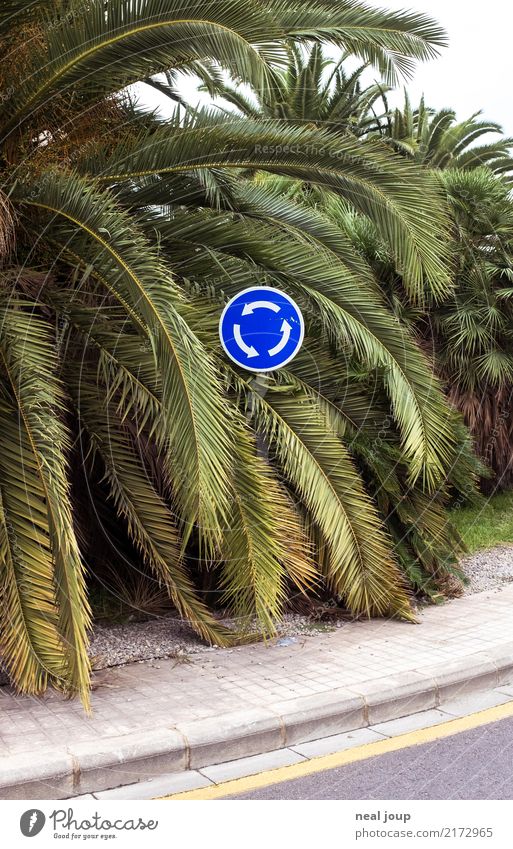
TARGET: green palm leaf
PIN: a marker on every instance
(150, 521)
(28, 361)
(118, 43)
(360, 568)
(86, 221)
(132, 232)
(253, 575)
(404, 203)
(349, 314)
(30, 644)
(388, 40)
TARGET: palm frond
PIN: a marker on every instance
(348, 314)
(87, 221)
(150, 521)
(119, 43)
(30, 644)
(28, 361)
(405, 204)
(253, 574)
(360, 567)
(390, 41)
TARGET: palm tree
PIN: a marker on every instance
(317, 91)
(439, 140)
(122, 236)
(469, 332)
(314, 89)
(472, 330)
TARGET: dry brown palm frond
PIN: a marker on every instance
(27, 280)
(450, 586)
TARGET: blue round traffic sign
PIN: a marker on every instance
(261, 329)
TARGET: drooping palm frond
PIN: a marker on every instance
(253, 574)
(133, 38)
(468, 333)
(45, 610)
(349, 316)
(399, 198)
(358, 566)
(150, 522)
(425, 544)
(262, 519)
(135, 275)
(30, 642)
(388, 40)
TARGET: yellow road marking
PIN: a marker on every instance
(348, 756)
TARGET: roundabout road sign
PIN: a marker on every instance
(261, 329)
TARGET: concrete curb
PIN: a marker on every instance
(113, 762)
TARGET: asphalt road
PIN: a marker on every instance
(476, 764)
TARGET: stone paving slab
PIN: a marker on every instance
(162, 716)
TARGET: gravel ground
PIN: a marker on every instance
(488, 569)
(116, 645)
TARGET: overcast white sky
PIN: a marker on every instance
(474, 72)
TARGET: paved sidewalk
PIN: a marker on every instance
(163, 716)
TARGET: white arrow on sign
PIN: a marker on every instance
(286, 330)
(264, 305)
(249, 350)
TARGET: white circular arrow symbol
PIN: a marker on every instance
(250, 350)
(286, 330)
(249, 309)
(246, 329)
